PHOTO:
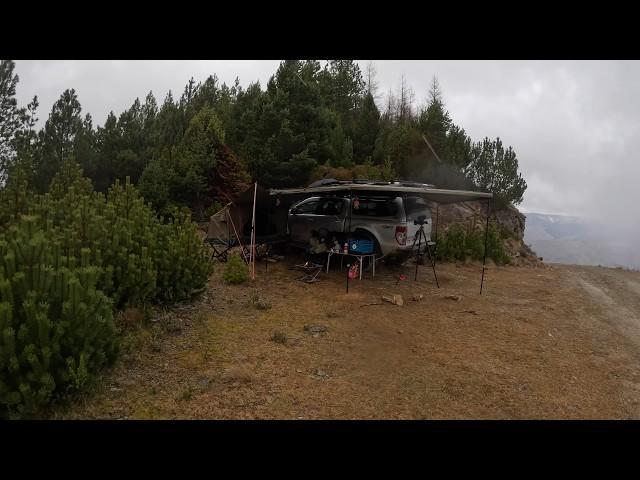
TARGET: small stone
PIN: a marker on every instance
(456, 298)
(298, 370)
(416, 297)
(315, 329)
(395, 299)
(320, 374)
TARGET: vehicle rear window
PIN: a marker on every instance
(416, 206)
(375, 207)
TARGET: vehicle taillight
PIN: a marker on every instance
(401, 235)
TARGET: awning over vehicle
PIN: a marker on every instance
(437, 195)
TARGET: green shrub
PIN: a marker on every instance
(66, 266)
(460, 244)
(256, 302)
(451, 245)
(184, 263)
(141, 258)
(56, 327)
(474, 244)
(495, 246)
(235, 270)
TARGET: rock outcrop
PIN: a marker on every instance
(469, 215)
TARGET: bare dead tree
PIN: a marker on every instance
(372, 84)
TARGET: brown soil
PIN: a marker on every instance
(550, 342)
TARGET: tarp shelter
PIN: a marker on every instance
(271, 218)
(272, 207)
(437, 195)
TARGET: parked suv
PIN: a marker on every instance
(387, 221)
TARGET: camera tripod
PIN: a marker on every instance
(419, 253)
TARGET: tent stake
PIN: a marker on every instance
(486, 235)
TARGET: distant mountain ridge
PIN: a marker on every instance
(579, 241)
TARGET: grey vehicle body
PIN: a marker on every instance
(387, 220)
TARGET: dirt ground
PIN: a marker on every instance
(552, 342)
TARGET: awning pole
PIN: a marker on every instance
(437, 220)
(247, 261)
(226, 212)
(350, 212)
(253, 235)
(486, 235)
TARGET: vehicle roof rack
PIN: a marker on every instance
(324, 182)
(409, 183)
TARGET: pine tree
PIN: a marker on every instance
(169, 126)
(245, 134)
(9, 117)
(156, 182)
(295, 124)
(434, 120)
(17, 136)
(494, 169)
(342, 87)
(85, 146)
(108, 140)
(58, 137)
(366, 129)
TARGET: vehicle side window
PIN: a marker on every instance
(309, 207)
(376, 207)
(331, 206)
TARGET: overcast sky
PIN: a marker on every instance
(574, 125)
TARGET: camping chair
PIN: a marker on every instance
(220, 248)
(311, 271)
